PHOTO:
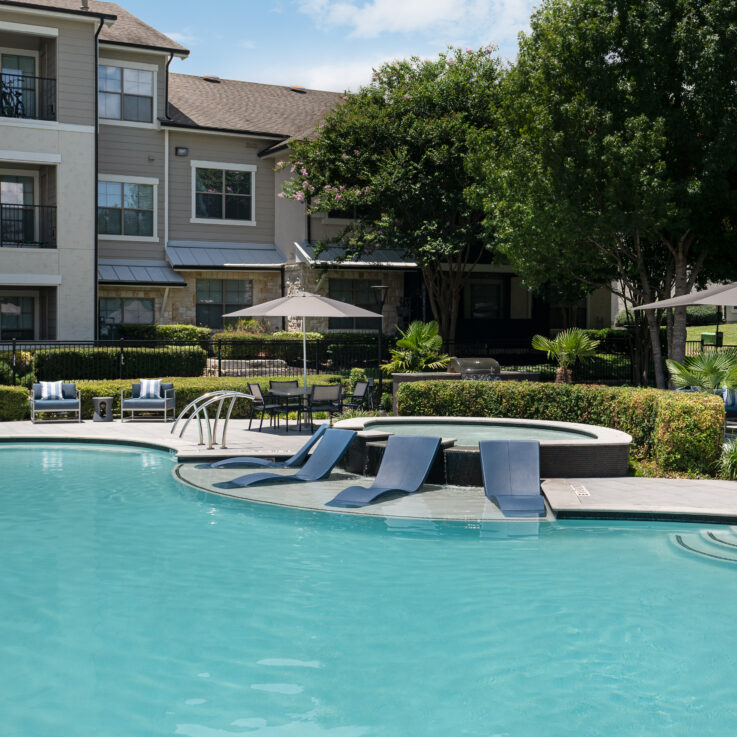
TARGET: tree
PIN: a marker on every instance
(620, 149)
(393, 156)
(567, 348)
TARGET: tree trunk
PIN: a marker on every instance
(563, 375)
(654, 328)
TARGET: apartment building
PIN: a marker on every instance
(132, 194)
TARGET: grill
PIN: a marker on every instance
(475, 369)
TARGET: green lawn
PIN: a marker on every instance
(729, 330)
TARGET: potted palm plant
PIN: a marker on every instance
(567, 348)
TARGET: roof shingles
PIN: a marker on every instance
(246, 107)
(126, 29)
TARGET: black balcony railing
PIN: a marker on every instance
(27, 226)
(23, 96)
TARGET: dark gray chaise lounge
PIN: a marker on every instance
(329, 451)
(511, 471)
(404, 468)
(250, 461)
(69, 404)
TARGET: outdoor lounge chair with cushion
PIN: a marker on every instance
(329, 451)
(407, 461)
(249, 461)
(511, 471)
(67, 400)
(164, 403)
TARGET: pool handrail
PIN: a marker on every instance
(198, 409)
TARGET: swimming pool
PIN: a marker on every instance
(132, 605)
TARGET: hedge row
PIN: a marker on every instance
(680, 431)
(174, 333)
(14, 399)
(73, 364)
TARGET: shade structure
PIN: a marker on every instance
(724, 294)
(304, 304)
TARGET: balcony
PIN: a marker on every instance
(30, 98)
(27, 226)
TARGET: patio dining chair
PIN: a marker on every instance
(361, 397)
(324, 398)
(259, 404)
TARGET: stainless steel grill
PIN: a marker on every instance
(477, 369)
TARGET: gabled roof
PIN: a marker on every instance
(210, 255)
(126, 30)
(246, 107)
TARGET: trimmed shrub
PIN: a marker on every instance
(104, 363)
(14, 400)
(680, 431)
(172, 333)
(271, 346)
(13, 403)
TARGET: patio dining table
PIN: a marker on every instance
(292, 397)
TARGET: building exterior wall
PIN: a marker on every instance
(599, 312)
(222, 149)
(290, 219)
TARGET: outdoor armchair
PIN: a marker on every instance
(164, 405)
(70, 404)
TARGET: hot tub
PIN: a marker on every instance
(567, 449)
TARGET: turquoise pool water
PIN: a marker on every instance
(134, 606)
(469, 433)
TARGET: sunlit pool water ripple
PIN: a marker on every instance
(132, 605)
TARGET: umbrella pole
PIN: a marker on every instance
(304, 353)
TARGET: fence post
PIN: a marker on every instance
(15, 378)
(220, 357)
(122, 356)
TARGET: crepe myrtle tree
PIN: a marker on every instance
(393, 159)
(620, 148)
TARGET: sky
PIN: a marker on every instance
(326, 44)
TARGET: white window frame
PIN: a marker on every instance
(225, 167)
(132, 65)
(121, 179)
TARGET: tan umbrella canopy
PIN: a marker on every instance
(304, 304)
(724, 294)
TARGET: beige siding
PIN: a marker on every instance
(227, 150)
(325, 229)
(75, 64)
(138, 152)
(118, 54)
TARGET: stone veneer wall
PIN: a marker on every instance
(298, 277)
(180, 306)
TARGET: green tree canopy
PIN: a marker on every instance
(620, 145)
(394, 157)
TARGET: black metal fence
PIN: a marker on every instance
(26, 96)
(27, 226)
(129, 359)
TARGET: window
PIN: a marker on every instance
(121, 311)
(357, 292)
(126, 94)
(223, 193)
(125, 209)
(215, 297)
(487, 300)
(17, 213)
(17, 317)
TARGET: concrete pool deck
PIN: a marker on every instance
(593, 498)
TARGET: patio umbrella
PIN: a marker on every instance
(304, 304)
(724, 294)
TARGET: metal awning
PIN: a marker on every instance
(138, 272)
(382, 258)
(204, 255)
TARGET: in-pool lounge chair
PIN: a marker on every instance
(329, 451)
(67, 400)
(404, 468)
(511, 471)
(252, 462)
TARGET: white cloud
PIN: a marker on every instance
(371, 18)
(247, 44)
(183, 37)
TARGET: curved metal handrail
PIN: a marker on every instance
(198, 409)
